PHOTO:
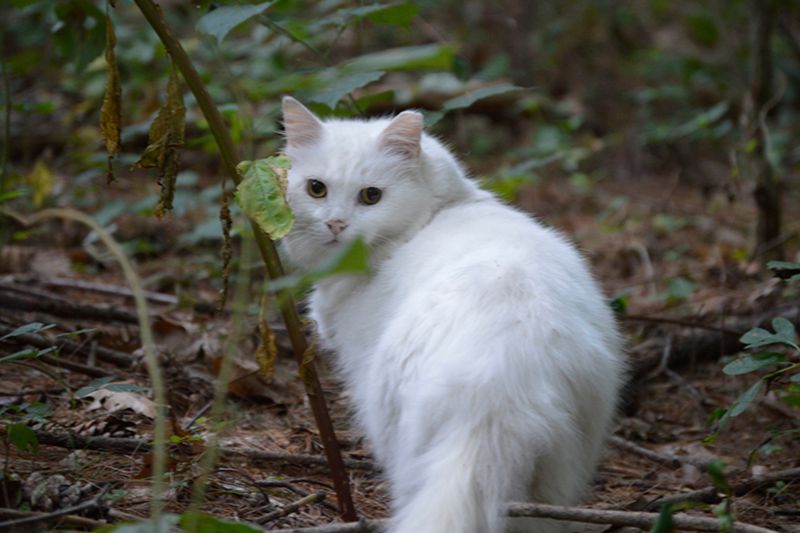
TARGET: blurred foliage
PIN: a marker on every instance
(569, 89)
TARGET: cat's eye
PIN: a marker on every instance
(316, 189)
(370, 195)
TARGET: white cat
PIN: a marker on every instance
(482, 359)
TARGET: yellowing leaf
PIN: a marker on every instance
(111, 110)
(41, 180)
(267, 351)
(165, 139)
(261, 194)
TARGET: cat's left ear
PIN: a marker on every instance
(302, 127)
(403, 134)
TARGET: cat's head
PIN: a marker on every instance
(353, 178)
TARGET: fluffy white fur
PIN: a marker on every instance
(482, 359)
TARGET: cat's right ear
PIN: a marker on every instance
(302, 127)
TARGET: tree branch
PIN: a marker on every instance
(269, 254)
(681, 521)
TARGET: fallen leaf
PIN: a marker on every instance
(117, 401)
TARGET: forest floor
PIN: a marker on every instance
(677, 257)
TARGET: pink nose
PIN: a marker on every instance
(336, 226)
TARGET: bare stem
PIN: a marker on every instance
(269, 254)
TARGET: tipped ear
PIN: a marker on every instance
(403, 134)
(302, 126)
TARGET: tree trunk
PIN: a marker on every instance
(767, 193)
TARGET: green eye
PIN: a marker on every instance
(370, 195)
(316, 189)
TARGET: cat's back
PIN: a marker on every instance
(489, 245)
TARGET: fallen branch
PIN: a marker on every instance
(293, 458)
(73, 441)
(668, 459)
(25, 298)
(291, 507)
(362, 526)
(681, 521)
(39, 341)
(104, 288)
(87, 370)
(64, 520)
(708, 344)
(711, 494)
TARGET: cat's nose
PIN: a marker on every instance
(336, 226)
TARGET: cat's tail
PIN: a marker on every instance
(462, 482)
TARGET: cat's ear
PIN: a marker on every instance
(302, 127)
(403, 134)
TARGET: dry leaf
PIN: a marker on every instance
(165, 140)
(111, 110)
(267, 350)
(42, 181)
(117, 401)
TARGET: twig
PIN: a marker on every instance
(711, 494)
(42, 301)
(678, 322)
(73, 441)
(269, 253)
(658, 457)
(72, 520)
(587, 515)
(92, 371)
(47, 517)
(291, 507)
(362, 526)
(105, 288)
(288, 484)
(38, 341)
(294, 458)
(640, 519)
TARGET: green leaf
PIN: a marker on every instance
(125, 387)
(751, 362)
(94, 385)
(27, 353)
(222, 20)
(619, 304)
(679, 289)
(203, 523)
(466, 100)
(394, 14)
(785, 329)
(716, 470)
(780, 265)
(352, 259)
(787, 270)
(664, 523)
(339, 88)
(33, 327)
(784, 334)
(425, 57)
(742, 402)
(22, 437)
(261, 194)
